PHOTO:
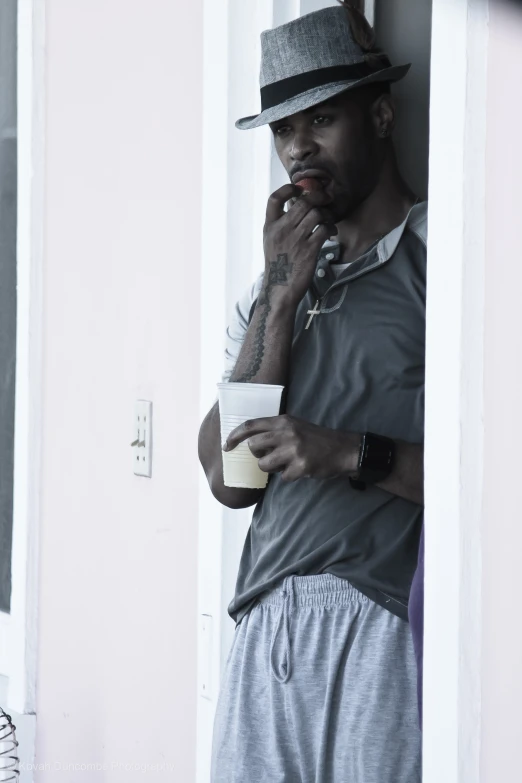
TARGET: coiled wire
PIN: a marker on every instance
(9, 761)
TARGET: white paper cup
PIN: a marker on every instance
(239, 402)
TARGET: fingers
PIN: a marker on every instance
(260, 445)
(276, 203)
(316, 217)
(250, 428)
(321, 234)
(304, 204)
(274, 462)
(282, 461)
(299, 204)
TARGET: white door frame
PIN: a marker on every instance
(454, 391)
(454, 355)
(18, 630)
(232, 223)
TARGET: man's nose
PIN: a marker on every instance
(303, 147)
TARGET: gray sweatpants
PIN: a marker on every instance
(319, 687)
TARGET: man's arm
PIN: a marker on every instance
(298, 449)
(209, 449)
(407, 477)
(291, 249)
(263, 358)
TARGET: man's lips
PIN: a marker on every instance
(309, 184)
(311, 174)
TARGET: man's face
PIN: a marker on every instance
(337, 143)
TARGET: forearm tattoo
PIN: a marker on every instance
(277, 275)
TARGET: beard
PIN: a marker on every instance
(355, 185)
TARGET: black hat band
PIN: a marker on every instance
(279, 92)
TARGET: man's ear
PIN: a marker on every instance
(383, 115)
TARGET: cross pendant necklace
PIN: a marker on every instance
(312, 314)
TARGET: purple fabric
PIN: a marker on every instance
(416, 616)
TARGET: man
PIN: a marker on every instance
(320, 682)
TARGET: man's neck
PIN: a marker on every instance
(386, 208)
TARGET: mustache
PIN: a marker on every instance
(301, 168)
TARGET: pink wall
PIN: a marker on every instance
(502, 537)
(118, 609)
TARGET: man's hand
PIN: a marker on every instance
(298, 449)
(292, 241)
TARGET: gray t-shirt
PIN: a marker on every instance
(359, 367)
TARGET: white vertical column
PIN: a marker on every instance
(28, 403)
(309, 6)
(369, 11)
(213, 323)
(236, 186)
(454, 392)
(285, 11)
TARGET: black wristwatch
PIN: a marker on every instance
(376, 458)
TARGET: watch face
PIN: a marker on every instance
(376, 460)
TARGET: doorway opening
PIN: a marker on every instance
(442, 161)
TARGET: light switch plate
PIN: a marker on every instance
(142, 441)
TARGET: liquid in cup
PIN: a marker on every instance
(239, 402)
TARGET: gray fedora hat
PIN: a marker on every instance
(313, 58)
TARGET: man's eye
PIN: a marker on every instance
(320, 120)
(282, 130)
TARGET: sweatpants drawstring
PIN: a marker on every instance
(282, 669)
